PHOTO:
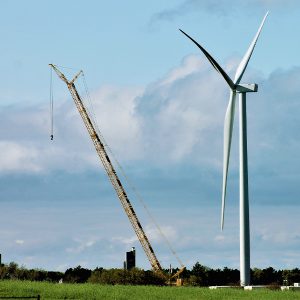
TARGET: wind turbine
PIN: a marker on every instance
(241, 89)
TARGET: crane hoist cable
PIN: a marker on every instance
(51, 105)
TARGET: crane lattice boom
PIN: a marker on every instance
(117, 185)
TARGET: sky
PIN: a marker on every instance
(160, 106)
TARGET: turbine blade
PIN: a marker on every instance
(244, 62)
(228, 125)
(212, 61)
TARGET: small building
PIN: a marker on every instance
(130, 259)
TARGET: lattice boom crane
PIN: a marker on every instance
(115, 181)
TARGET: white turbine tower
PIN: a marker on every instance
(241, 89)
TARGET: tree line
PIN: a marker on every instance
(198, 275)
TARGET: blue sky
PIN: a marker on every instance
(161, 108)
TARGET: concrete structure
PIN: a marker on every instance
(295, 287)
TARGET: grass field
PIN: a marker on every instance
(95, 291)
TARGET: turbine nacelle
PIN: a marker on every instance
(246, 88)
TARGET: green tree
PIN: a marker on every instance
(200, 274)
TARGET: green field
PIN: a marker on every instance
(95, 291)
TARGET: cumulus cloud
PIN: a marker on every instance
(273, 137)
(18, 157)
(25, 143)
(181, 112)
(117, 118)
(178, 118)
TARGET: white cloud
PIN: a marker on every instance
(115, 110)
(181, 113)
(177, 118)
(278, 229)
(190, 64)
(278, 237)
(125, 240)
(81, 245)
(19, 242)
(18, 157)
(158, 237)
(152, 233)
(26, 146)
